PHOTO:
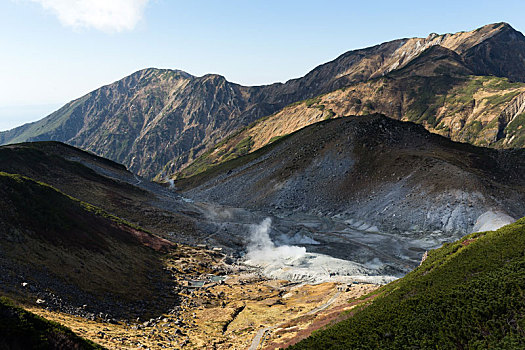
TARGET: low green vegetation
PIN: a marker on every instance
(466, 295)
(465, 93)
(499, 99)
(20, 329)
(498, 83)
(242, 147)
(214, 169)
(312, 101)
(426, 97)
(330, 114)
(518, 123)
(275, 138)
(206, 160)
(472, 130)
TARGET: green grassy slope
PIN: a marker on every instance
(20, 329)
(466, 295)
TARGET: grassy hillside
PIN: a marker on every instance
(466, 295)
(20, 329)
(58, 244)
(93, 180)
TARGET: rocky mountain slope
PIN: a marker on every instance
(64, 258)
(372, 171)
(147, 118)
(464, 295)
(114, 283)
(436, 90)
(81, 257)
(157, 121)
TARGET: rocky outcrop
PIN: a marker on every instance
(508, 115)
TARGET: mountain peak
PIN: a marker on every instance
(490, 30)
(500, 26)
(156, 71)
(125, 120)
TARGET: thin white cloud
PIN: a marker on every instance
(104, 15)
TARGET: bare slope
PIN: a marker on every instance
(157, 120)
(374, 171)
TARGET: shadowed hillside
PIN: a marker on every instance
(69, 253)
(20, 330)
(99, 182)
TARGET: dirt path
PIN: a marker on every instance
(325, 305)
(258, 337)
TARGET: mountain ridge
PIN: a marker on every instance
(158, 121)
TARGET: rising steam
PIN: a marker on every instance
(261, 250)
(293, 263)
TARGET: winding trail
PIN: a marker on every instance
(325, 305)
(258, 337)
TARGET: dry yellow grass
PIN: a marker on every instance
(225, 316)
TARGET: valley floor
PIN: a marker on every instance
(243, 311)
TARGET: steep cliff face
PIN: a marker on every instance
(511, 123)
(158, 121)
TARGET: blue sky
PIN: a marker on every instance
(53, 51)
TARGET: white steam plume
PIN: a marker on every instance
(293, 263)
(262, 251)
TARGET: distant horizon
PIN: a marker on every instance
(19, 115)
(55, 54)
